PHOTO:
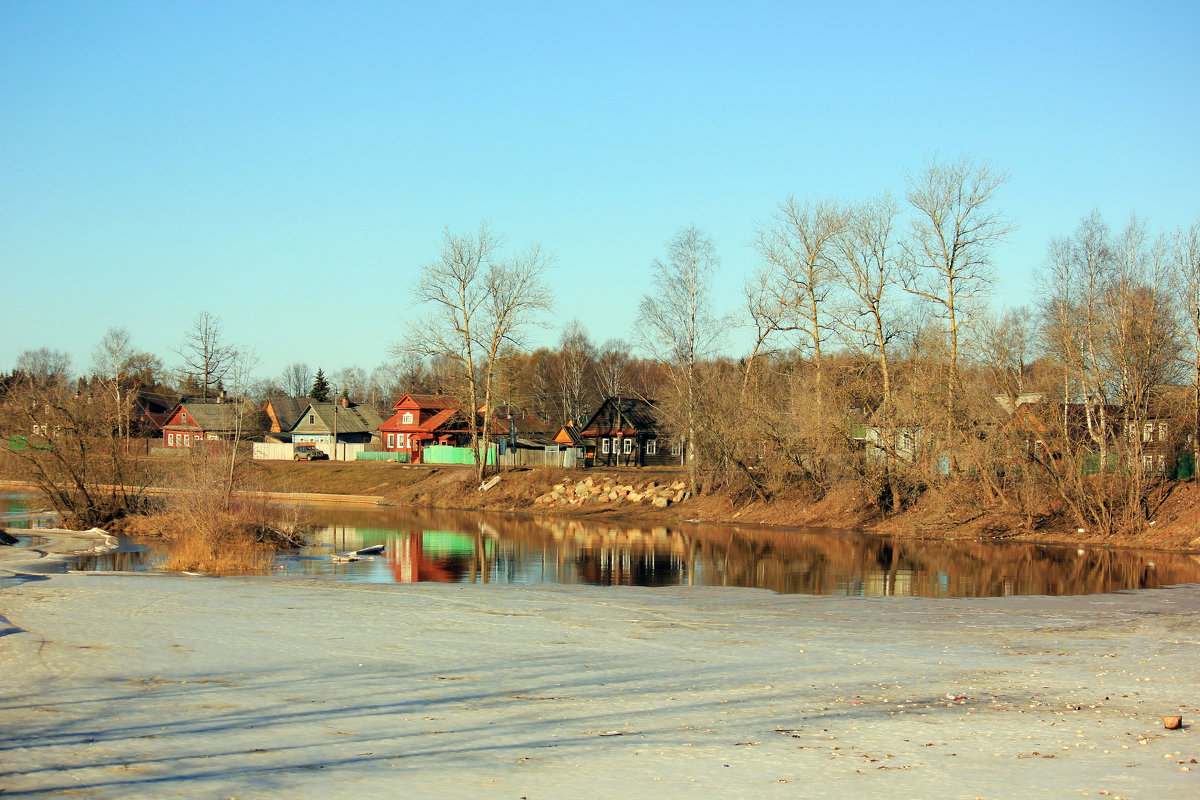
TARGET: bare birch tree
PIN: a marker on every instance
(111, 361)
(576, 355)
(678, 325)
(948, 258)
(479, 303)
(868, 269)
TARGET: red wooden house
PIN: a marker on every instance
(191, 423)
(422, 420)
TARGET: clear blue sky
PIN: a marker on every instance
(288, 166)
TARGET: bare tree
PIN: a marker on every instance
(611, 371)
(206, 356)
(44, 365)
(72, 451)
(111, 361)
(678, 326)
(790, 290)
(353, 382)
(297, 378)
(576, 355)
(954, 230)
(868, 269)
(479, 303)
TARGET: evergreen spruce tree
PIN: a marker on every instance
(320, 388)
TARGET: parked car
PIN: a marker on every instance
(308, 452)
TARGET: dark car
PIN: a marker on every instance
(308, 452)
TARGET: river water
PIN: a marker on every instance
(468, 547)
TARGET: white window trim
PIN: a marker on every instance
(628, 448)
(604, 446)
(391, 440)
(651, 446)
(170, 439)
(407, 419)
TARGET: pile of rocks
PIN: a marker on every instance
(604, 490)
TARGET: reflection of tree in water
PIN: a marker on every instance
(529, 549)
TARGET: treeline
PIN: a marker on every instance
(875, 356)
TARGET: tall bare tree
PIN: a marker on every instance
(206, 356)
(791, 287)
(679, 327)
(576, 356)
(111, 362)
(479, 302)
(948, 263)
(868, 269)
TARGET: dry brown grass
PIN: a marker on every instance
(213, 527)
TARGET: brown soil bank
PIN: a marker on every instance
(942, 513)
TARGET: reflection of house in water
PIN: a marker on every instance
(441, 557)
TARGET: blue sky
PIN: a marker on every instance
(288, 166)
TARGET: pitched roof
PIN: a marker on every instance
(635, 415)
(215, 417)
(287, 409)
(352, 419)
(428, 401)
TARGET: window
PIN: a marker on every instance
(407, 418)
(1147, 431)
(170, 440)
(391, 440)
(1148, 463)
(187, 440)
(1162, 431)
(628, 446)
(312, 419)
(604, 446)
(651, 446)
(183, 416)
(676, 448)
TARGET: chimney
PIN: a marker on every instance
(345, 401)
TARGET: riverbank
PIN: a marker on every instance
(939, 514)
(149, 686)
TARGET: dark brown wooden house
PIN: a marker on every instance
(625, 432)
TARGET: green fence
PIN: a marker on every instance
(445, 454)
(19, 444)
(399, 458)
(1185, 466)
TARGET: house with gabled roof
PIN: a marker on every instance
(348, 423)
(421, 420)
(190, 423)
(625, 432)
(284, 412)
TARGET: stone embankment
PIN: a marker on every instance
(606, 491)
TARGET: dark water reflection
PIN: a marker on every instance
(463, 547)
